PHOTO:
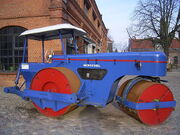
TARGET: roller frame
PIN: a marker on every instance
(55, 101)
(147, 105)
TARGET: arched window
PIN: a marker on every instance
(11, 48)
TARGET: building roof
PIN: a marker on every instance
(52, 32)
(109, 40)
(147, 44)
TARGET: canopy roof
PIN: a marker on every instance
(52, 32)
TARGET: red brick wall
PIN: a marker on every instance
(8, 79)
(28, 14)
(38, 13)
(23, 8)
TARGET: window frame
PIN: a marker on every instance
(11, 56)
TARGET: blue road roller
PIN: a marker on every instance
(67, 81)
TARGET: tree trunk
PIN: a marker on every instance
(166, 45)
(166, 51)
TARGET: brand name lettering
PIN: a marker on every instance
(91, 65)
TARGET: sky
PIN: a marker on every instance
(117, 16)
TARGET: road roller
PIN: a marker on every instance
(68, 81)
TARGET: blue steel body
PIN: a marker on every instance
(101, 92)
(92, 92)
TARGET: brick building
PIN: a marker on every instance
(109, 45)
(17, 16)
(142, 45)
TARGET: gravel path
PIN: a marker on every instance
(18, 117)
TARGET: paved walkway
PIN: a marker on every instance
(18, 117)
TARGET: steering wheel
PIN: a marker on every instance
(48, 55)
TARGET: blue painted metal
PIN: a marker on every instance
(44, 103)
(24, 49)
(117, 65)
(67, 98)
(14, 90)
(42, 49)
(56, 101)
(76, 51)
(83, 93)
(146, 106)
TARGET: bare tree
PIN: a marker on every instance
(157, 20)
(116, 50)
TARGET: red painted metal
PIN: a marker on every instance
(51, 80)
(155, 92)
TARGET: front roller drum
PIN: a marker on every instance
(57, 80)
(147, 92)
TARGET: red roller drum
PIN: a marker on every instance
(147, 91)
(58, 80)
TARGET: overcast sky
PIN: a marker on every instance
(117, 17)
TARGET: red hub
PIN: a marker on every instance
(156, 92)
(52, 80)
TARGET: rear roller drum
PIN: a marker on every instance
(58, 80)
(147, 92)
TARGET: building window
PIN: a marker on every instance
(70, 46)
(158, 47)
(11, 48)
(175, 60)
(93, 49)
(98, 24)
(87, 6)
(65, 1)
(94, 16)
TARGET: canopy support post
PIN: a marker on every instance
(74, 42)
(63, 46)
(43, 49)
(24, 49)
